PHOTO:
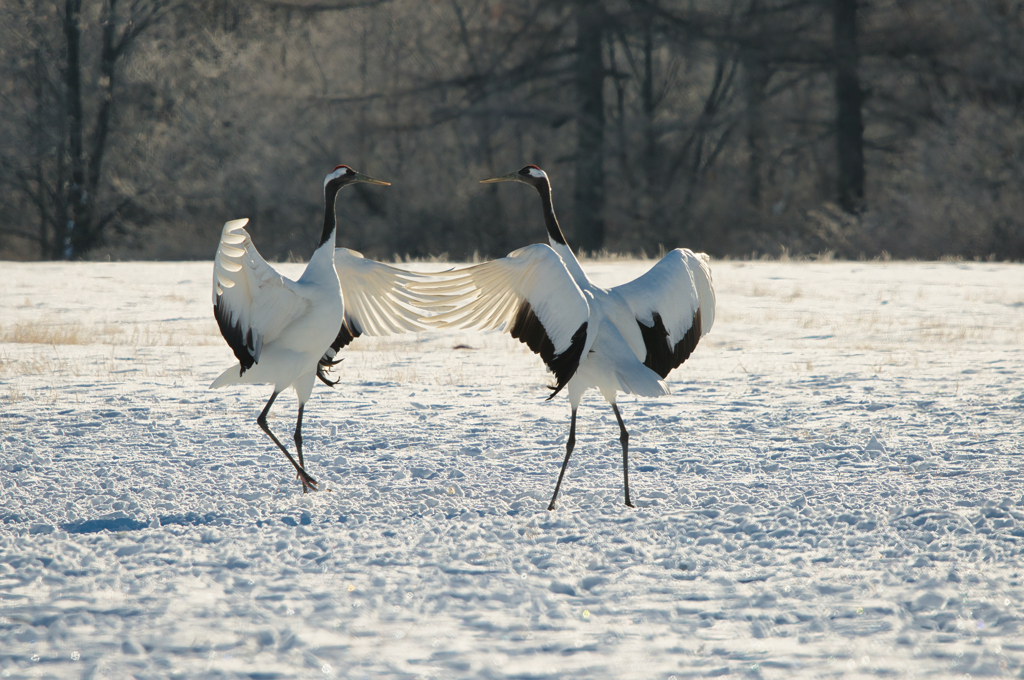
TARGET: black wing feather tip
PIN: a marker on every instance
(661, 357)
(321, 372)
(239, 342)
(346, 334)
(528, 329)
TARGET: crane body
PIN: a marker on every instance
(287, 332)
(621, 339)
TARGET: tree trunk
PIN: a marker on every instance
(589, 197)
(85, 165)
(75, 123)
(756, 74)
(38, 151)
(651, 160)
(849, 99)
(88, 235)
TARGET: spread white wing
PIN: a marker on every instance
(252, 301)
(674, 304)
(377, 301)
(530, 294)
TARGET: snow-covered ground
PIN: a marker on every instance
(834, 489)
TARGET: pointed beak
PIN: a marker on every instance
(360, 177)
(510, 177)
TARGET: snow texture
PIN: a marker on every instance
(833, 489)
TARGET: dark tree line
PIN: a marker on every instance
(135, 128)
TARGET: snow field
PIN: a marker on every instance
(832, 490)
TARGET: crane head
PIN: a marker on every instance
(342, 175)
(531, 175)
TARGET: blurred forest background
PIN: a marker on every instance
(133, 129)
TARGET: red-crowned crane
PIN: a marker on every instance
(286, 332)
(621, 339)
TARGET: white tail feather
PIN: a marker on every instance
(228, 377)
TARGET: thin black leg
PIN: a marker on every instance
(624, 438)
(565, 463)
(307, 481)
(298, 440)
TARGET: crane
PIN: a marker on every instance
(621, 339)
(287, 332)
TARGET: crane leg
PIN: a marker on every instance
(624, 438)
(307, 481)
(298, 442)
(569, 445)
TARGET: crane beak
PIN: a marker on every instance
(511, 177)
(360, 177)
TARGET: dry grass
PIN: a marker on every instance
(41, 333)
(179, 335)
(606, 256)
(118, 352)
(37, 363)
(133, 335)
(14, 395)
(53, 366)
(776, 291)
(955, 332)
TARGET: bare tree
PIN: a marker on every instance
(69, 100)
